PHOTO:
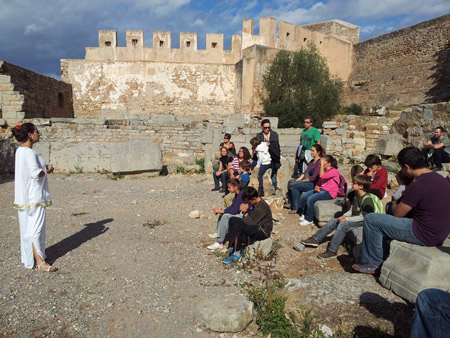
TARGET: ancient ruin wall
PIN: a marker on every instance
(405, 67)
(115, 89)
(26, 94)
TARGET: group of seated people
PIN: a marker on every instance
(410, 216)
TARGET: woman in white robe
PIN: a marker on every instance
(31, 197)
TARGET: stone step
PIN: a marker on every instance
(411, 268)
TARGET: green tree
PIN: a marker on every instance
(298, 84)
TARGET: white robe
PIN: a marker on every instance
(31, 197)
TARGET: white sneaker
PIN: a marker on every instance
(302, 218)
(215, 246)
(213, 236)
(305, 222)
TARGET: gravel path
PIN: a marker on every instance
(119, 278)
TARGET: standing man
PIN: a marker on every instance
(308, 137)
(271, 138)
(427, 197)
(437, 148)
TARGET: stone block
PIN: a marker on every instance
(340, 131)
(2, 123)
(329, 125)
(389, 145)
(290, 131)
(233, 313)
(251, 131)
(325, 210)
(189, 118)
(230, 130)
(207, 137)
(7, 151)
(411, 268)
(135, 155)
(326, 142)
(234, 120)
(259, 248)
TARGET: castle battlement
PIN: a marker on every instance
(162, 50)
(325, 35)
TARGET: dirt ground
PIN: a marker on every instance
(132, 263)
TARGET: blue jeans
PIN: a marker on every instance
(223, 177)
(262, 170)
(432, 315)
(296, 190)
(309, 198)
(341, 230)
(378, 225)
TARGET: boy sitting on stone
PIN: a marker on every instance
(362, 204)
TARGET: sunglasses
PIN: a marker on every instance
(266, 127)
(307, 122)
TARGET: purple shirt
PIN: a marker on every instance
(234, 207)
(429, 196)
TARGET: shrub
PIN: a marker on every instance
(353, 109)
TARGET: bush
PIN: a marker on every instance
(353, 109)
(298, 84)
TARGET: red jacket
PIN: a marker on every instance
(379, 180)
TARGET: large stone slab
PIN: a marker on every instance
(231, 313)
(389, 145)
(7, 151)
(411, 268)
(325, 210)
(136, 155)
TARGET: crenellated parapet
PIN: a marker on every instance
(162, 50)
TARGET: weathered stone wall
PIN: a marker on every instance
(86, 143)
(406, 67)
(26, 94)
(116, 89)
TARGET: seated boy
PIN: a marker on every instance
(244, 176)
(257, 223)
(378, 174)
(362, 205)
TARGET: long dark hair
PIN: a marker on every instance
(330, 159)
(246, 154)
(20, 132)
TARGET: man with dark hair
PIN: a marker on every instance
(437, 149)
(308, 137)
(428, 198)
(271, 138)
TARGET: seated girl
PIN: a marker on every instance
(222, 173)
(235, 187)
(326, 188)
(256, 223)
(306, 181)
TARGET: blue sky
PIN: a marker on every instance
(36, 34)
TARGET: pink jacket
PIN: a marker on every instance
(329, 181)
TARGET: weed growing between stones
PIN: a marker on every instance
(200, 162)
(77, 170)
(114, 176)
(102, 171)
(181, 170)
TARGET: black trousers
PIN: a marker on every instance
(239, 231)
(440, 156)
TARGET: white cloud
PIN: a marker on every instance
(33, 28)
(198, 22)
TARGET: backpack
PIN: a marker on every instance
(377, 204)
(342, 186)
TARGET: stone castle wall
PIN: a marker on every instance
(26, 94)
(403, 68)
(113, 81)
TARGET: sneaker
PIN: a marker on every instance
(222, 190)
(215, 189)
(310, 242)
(286, 206)
(215, 246)
(213, 236)
(302, 218)
(305, 222)
(369, 269)
(327, 254)
(232, 259)
(260, 192)
(292, 211)
(340, 203)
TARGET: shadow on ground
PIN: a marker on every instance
(68, 244)
(399, 314)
